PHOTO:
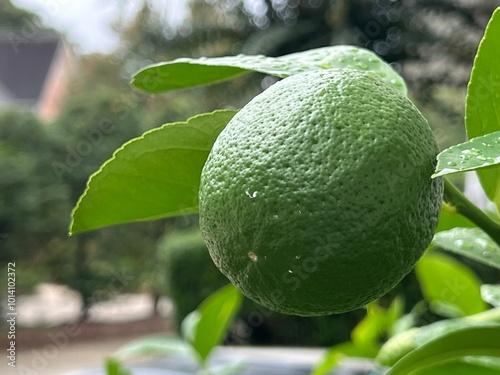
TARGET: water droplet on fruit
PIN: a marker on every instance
(480, 157)
(251, 195)
(253, 257)
(486, 254)
(451, 163)
(290, 271)
(459, 243)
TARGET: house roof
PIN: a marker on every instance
(24, 65)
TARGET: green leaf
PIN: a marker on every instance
(482, 109)
(400, 345)
(491, 294)
(469, 242)
(449, 218)
(114, 367)
(335, 354)
(451, 288)
(216, 314)
(479, 152)
(186, 72)
(153, 176)
(492, 363)
(377, 322)
(404, 323)
(367, 332)
(471, 341)
(153, 345)
(189, 325)
(457, 368)
(394, 314)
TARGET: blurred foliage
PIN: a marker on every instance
(13, 18)
(44, 167)
(187, 274)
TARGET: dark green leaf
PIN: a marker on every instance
(186, 72)
(480, 152)
(480, 340)
(153, 345)
(153, 176)
(451, 288)
(457, 368)
(482, 109)
(469, 242)
(491, 294)
(216, 314)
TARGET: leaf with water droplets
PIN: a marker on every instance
(491, 294)
(482, 106)
(480, 152)
(186, 72)
(469, 242)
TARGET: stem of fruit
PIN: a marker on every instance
(468, 209)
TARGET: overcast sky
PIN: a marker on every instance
(87, 23)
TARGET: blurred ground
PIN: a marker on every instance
(49, 341)
(77, 355)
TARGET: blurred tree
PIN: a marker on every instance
(13, 18)
(33, 205)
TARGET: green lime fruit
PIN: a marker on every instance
(317, 197)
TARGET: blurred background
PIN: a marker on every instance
(66, 105)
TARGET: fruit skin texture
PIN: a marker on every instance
(317, 198)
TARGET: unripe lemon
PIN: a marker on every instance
(317, 197)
